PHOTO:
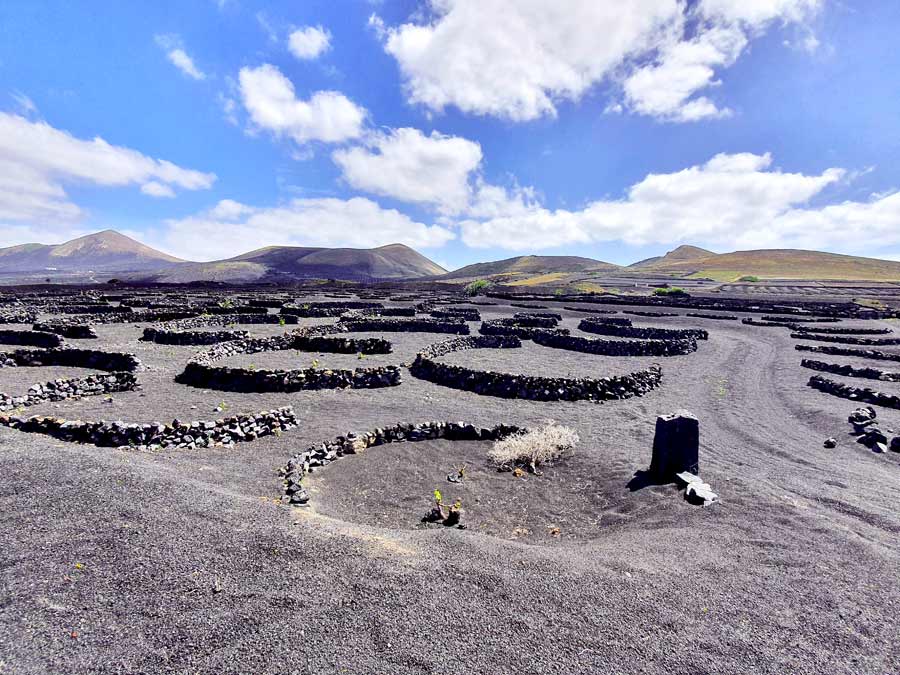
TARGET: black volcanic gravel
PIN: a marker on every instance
(121, 561)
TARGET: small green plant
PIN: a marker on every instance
(477, 287)
(674, 290)
(360, 356)
(315, 363)
(281, 321)
(750, 278)
(251, 367)
(442, 513)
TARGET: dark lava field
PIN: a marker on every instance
(145, 546)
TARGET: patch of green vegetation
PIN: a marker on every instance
(674, 290)
(750, 278)
(477, 287)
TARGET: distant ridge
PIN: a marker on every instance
(678, 255)
(286, 263)
(770, 264)
(106, 251)
(530, 266)
(109, 253)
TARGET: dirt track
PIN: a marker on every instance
(121, 561)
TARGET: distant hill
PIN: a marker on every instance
(770, 264)
(286, 263)
(531, 269)
(679, 255)
(107, 251)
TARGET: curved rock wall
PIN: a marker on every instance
(322, 454)
(164, 336)
(601, 327)
(847, 351)
(225, 431)
(863, 395)
(74, 332)
(495, 327)
(846, 339)
(851, 371)
(508, 385)
(72, 387)
(453, 326)
(617, 347)
(201, 371)
(68, 356)
(31, 338)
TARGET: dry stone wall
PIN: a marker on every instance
(202, 434)
(508, 385)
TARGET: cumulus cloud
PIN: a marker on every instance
(731, 201)
(155, 189)
(271, 101)
(519, 60)
(36, 160)
(224, 230)
(410, 166)
(178, 57)
(309, 42)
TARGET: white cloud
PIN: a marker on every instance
(25, 105)
(410, 166)
(36, 160)
(171, 45)
(224, 230)
(731, 201)
(663, 89)
(519, 60)
(309, 42)
(270, 99)
(155, 189)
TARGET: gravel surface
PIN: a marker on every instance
(185, 561)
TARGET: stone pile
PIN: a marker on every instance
(868, 433)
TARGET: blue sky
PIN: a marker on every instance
(469, 130)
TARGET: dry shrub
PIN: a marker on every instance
(538, 446)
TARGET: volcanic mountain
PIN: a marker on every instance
(770, 264)
(530, 267)
(107, 251)
(286, 263)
